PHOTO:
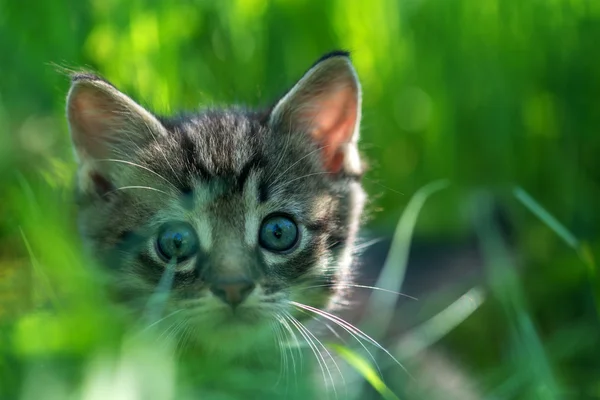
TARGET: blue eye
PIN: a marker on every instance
(177, 240)
(278, 233)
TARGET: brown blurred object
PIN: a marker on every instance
(15, 283)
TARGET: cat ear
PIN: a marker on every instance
(105, 122)
(326, 104)
(102, 119)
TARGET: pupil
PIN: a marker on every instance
(177, 240)
(277, 232)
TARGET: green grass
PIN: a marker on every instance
(499, 98)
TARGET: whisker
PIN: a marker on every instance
(282, 156)
(297, 161)
(298, 346)
(383, 186)
(343, 323)
(328, 353)
(137, 187)
(192, 331)
(283, 343)
(361, 287)
(311, 345)
(304, 176)
(330, 329)
(355, 337)
(178, 348)
(286, 349)
(174, 333)
(368, 243)
(284, 355)
(283, 367)
(161, 320)
(139, 166)
(167, 332)
(162, 152)
(183, 336)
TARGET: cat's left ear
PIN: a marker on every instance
(103, 120)
(105, 124)
(326, 104)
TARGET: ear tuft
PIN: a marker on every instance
(332, 54)
(326, 104)
(87, 76)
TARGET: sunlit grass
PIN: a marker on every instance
(381, 305)
(366, 370)
(435, 328)
(482, 93)
(62, 329)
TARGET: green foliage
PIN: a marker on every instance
(366, 370)
(489, 95)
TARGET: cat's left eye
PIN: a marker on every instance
(177, 240)
(278, 233)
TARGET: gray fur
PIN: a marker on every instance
(223, 171)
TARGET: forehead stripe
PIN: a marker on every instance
(255, 162)
(191, 159)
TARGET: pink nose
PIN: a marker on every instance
(232, 292)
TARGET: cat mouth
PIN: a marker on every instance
(240, 325)
(239, 316)
(236, 317)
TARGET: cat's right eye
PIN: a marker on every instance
(176, 240)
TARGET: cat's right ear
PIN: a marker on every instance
(104, 123)
(326, 105)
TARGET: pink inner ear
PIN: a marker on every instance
(91, 119)
(334, 119)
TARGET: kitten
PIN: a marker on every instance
(247, 218)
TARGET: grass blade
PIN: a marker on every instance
(440, 324)
(365, 369)
(546, 217)
(381, 305)
(504, 284)
(583, 250)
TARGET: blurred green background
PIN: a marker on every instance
(489, 94)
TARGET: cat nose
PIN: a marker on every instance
(232, 292)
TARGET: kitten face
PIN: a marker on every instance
(246, 210)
